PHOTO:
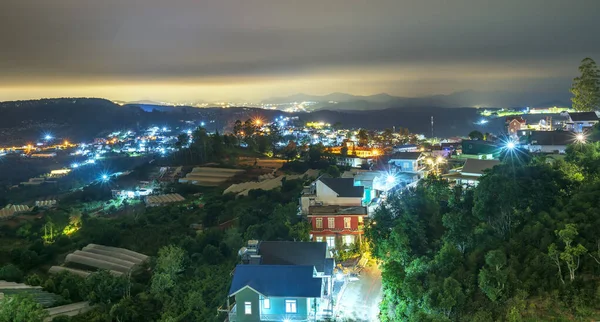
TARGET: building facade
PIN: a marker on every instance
(337, 226)
(331, 191)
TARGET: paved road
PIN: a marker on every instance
(360, 300)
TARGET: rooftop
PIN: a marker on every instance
(406, 156)
(293, 253)
(277, 280)
(551, 137)
(584, 116)
(477, 166)
(336, 210)
(344, 187)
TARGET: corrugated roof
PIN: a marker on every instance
(277, 280)
(293, 253)
(478, 166)
(344, 187)
(583, 116)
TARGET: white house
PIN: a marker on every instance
(331, 192)
(550, 141)
(578, 122)
(472, 170)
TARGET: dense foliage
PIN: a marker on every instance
(189, 275)
(521, 246)
(586, 87)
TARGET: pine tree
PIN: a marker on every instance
(586, 88)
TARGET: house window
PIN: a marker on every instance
(320, 238)
(330, 222)
(319, 222)
(347, 222)
(267, 303)
(290, 306)
(248, 308)
(331, 241)
(348, 239)
(360, 219)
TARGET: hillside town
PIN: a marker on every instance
(345, 176)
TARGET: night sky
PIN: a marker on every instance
(253, 49)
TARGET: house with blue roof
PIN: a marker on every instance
(276, 293)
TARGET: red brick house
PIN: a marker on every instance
(337, 224)
(514, 125)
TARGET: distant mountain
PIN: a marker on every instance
(80, 118)
(333, 97)
(343, 101)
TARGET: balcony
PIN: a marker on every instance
(338, 230)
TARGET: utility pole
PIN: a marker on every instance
(431, 127)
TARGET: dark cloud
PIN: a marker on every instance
(180, 40)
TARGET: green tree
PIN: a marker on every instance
(182, 140)
(571, 254)
(493, 279)
(363, 137)
(475, 135)
(586, 87)
(290, 151)
(21, 308)
(333, 171)
(169, 263)
(344, 150)
(11, 273)
(103, 287)
(387, 137)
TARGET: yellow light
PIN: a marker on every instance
(66, 142)
(440, 160)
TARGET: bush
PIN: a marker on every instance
(11, 273)
(33, 280)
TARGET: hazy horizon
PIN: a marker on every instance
(187, 50)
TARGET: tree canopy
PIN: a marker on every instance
(520, 246)
(586, 87)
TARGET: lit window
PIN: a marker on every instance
(266, 303)
(347, 222)
(319, 222)
(348, 239)
(360, 219)
(290, 306)
(330, 222)
(331, 241)
(248, 308)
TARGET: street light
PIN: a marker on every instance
(510, 145)
(580, 138)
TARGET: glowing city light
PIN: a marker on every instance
(510, 145)
(390, 179)
(48, 137)
(580, 138)
(104, 177)
(202, 124)
(75, 165)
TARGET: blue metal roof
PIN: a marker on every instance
(277, 280)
